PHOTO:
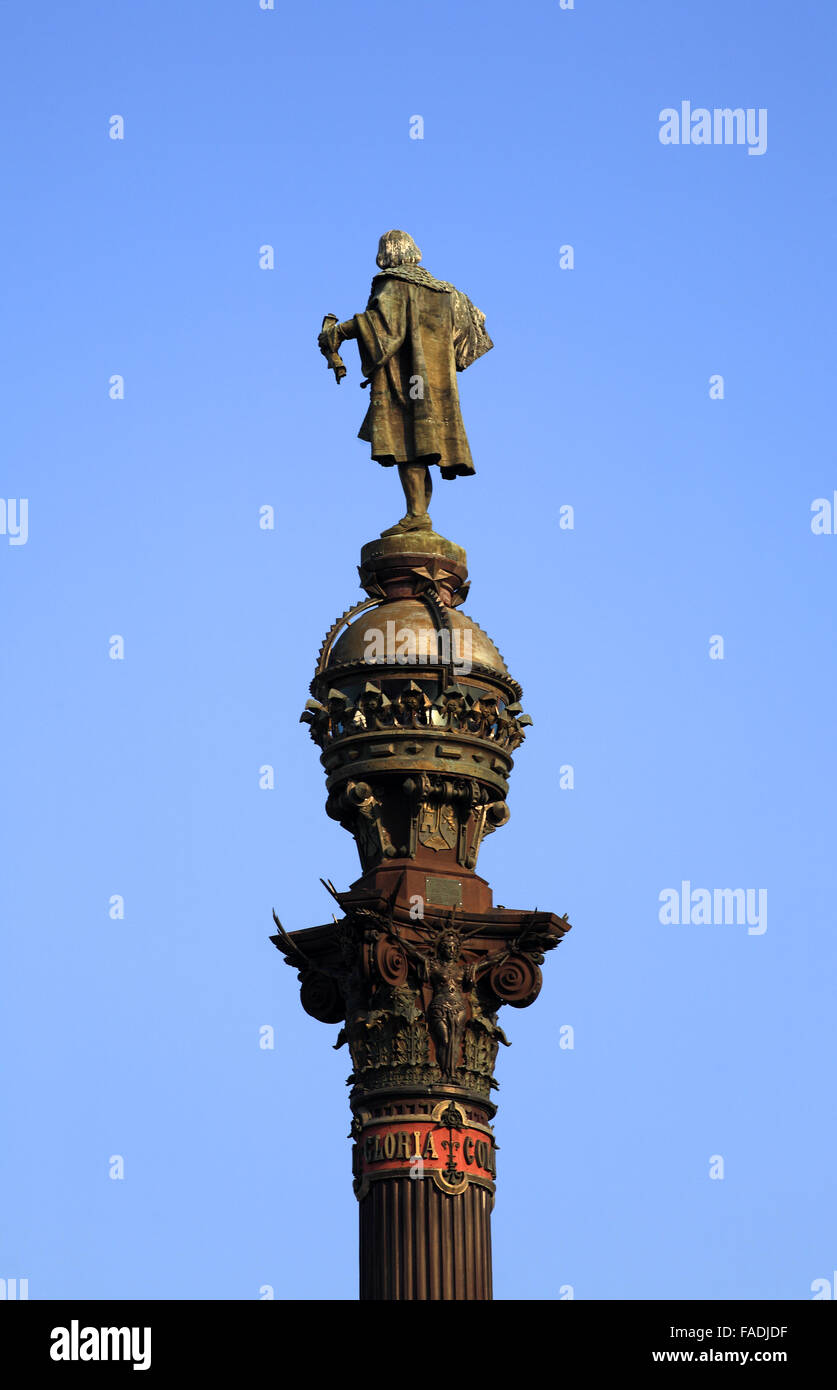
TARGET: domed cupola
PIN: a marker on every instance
(415, 713)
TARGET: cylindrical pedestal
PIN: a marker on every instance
(424, 1170)
(417, 1242)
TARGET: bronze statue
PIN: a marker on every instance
(415, 334)
(452, 980)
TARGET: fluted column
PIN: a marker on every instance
(417, 1242)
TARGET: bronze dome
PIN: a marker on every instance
(407, 626)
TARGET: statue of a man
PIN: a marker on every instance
(415, 334)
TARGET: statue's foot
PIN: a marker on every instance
(409, 523)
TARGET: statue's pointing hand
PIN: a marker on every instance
(330, 338)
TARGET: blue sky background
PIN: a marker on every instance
(692, 518)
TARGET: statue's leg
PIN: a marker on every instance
(415, 480)
(443, 1047)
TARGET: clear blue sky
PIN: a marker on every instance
(139, 777)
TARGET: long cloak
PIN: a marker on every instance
(412, 336)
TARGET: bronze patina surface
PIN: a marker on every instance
(417, 720)
(414, 335)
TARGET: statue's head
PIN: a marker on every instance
(448, 948)
(412, 699)
(397, 248)
(371, 699)
(454, 699)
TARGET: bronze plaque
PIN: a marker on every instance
(447, 892)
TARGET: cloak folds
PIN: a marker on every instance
(413, 337)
